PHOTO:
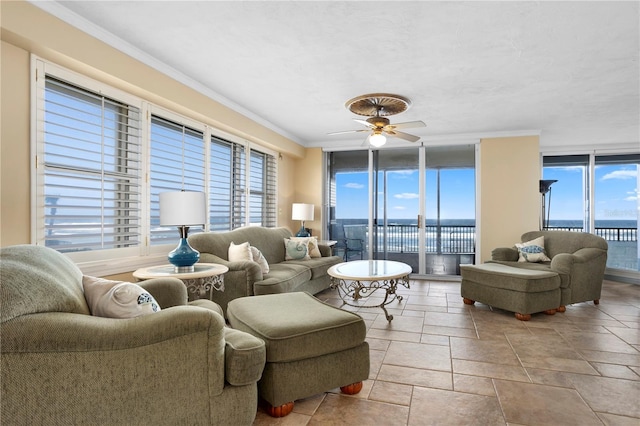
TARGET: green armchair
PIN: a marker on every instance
(61, 365)
(579, 258)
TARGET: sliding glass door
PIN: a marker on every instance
(420, 208)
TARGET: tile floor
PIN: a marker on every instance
(440, 362)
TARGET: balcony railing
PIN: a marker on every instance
(609, 234)
(459, 239)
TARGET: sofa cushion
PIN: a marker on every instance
(318, 266)
(532, 251)
(507, 277)
(117, 299)
(296, 326)
(282, 278)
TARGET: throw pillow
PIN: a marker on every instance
(295, 249)
(259, 259)
(532, 251)
(117, 299)
(239, 252)
(312, 245)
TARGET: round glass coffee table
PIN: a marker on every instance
(375, 279)
(205, 278)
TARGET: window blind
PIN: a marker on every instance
(262, 206)
(227, 198)
(92, 170)
(177, 163)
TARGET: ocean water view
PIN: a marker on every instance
(458, 236)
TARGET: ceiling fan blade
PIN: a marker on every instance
(366, 123)
(407, 125)
(348, 131)
(402, 135)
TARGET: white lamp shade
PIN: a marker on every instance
(300, 211)
(182, 208)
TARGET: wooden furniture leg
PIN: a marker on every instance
(562, 308)
(596, 302)
(468, 301)
(351, 389)
(279, 411)
(550, 311)
(523, 317)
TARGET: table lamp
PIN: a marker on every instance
(300, 211)
(183, 209)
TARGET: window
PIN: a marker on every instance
(227, 171)
(598, 194)
(91, 174)
(103, 156)
(262, 189)
(177, 163)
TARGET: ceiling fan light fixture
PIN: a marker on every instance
(377, 140)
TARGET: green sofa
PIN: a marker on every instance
(579, 258)
(245, 278)
(62, 366)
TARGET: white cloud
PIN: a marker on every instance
(631, 198)
(354, 185)
(621, 174)
(407, 195)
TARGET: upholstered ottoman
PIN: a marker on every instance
(311, 347)
(523, 291)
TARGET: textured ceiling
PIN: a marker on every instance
(569, 70)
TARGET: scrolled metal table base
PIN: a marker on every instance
(360, 289)
(199, 287)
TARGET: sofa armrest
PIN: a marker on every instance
(68, 332)
(509, 254)
(564, 262)
(167, 291)
(245, 357)
(325, 250)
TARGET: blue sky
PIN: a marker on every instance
(457, 199)
(616, 193)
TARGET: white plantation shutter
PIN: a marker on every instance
(102, 156)
(177, 163)
(262, 203)
(92, 170)
(226, 185)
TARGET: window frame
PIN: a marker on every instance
(122, 260)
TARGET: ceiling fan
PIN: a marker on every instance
(376, 106)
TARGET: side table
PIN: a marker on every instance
(205, 278)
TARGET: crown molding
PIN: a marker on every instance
(59, 11)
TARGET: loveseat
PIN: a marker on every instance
(579, 258)
(60, 365)
(246, 277)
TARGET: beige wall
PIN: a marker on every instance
(308, 189)
(15, 167)
(509, 197)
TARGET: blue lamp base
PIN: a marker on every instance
(303, 232)
(184, 257)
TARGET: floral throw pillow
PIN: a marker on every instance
(296, 249)
(312, 245)
(532, 251)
